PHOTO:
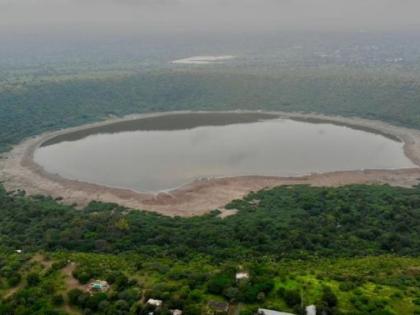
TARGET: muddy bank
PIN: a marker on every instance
(18, 171)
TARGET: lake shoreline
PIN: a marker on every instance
(19, 171)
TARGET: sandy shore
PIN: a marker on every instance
(19, 171)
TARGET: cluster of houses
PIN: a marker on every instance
(222, 308)
(213, 307)
(103, 286)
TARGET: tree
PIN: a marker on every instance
(218, 283)
(329, 298)
(74, 295)
(33, 279)
(94, 300)
(231, 293)
(292, 297)
(57, 299)
(14, 279)
(328, 303)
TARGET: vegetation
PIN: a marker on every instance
(38, 107)
(368, 285)
(285, 222)
(350, 250)
(345, 249)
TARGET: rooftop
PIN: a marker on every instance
(242, 275)
(99, 285)
(263, 311)
(154, 302)
(219, 306)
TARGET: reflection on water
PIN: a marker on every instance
(154, 160)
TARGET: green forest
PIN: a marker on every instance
(32, 108)
(347, 250)
(286, 222)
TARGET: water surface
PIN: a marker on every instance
(162, 153)
(203, 60)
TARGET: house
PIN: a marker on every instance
(217, 307)
(98, 286)
(176, 312)
(310, 310)
(242, 276)
(154, 302)
(262, 311)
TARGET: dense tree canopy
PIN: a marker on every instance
(296, 222)
(35, 108)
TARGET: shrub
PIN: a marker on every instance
(329, 298)
(74, 295)
(14, 279)
(33, 279)
(57, 299)
(292, 297)
(218, 283)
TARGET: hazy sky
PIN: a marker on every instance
(207, 15)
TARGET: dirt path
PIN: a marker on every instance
(18, 171)
(69, 280)
(69, 310)
(39, 258)
(70, 283)
(234, 309)
(14, 290)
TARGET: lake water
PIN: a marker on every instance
(203, 60)
(161, 153)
